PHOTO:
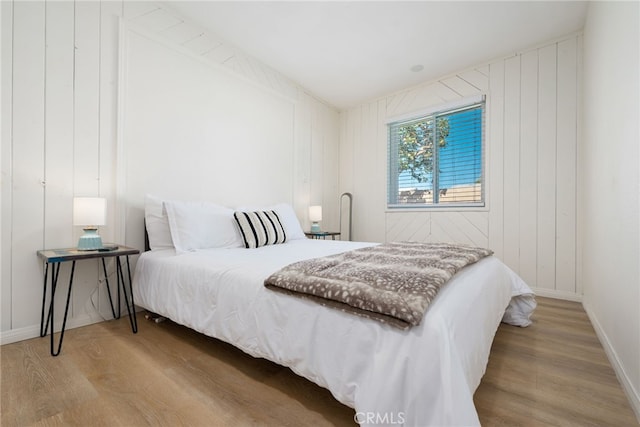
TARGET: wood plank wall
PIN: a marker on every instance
(531, 151)
(59, 134)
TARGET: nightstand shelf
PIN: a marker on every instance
(55, 258)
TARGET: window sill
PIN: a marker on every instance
(432, 209)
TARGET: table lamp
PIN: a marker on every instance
(315, 215)
(89, 212)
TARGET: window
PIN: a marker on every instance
(437, 159)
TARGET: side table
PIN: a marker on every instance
(55, 258)
(322, 234)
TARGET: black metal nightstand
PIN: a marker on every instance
(56, 257)
(322, 234)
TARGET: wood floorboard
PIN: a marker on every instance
(553, 373)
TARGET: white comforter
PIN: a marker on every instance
(423, 376)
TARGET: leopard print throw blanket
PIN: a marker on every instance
(392, 282)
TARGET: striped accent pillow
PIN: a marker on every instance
(260, 228)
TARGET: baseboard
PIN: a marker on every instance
(552, 293)
(633, 395)
(33, 331)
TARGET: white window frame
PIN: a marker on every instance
(392, 186)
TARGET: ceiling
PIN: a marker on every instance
(350, 52)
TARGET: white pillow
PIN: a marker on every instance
(287, 217)
(157, 223)
(201, 225)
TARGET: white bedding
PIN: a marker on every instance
(423, 376)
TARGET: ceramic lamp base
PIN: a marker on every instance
(315, 227)
(90, 240)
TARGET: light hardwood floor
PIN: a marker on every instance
(553, 373)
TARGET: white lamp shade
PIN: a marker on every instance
(315, 213)
(89, 211)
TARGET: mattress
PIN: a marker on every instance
(425, 375)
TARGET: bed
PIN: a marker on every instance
(424, 375)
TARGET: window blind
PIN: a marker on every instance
(437, 159)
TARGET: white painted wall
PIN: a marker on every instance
(609, 185)
(196, 132)
(531, 138)
(59, 138)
